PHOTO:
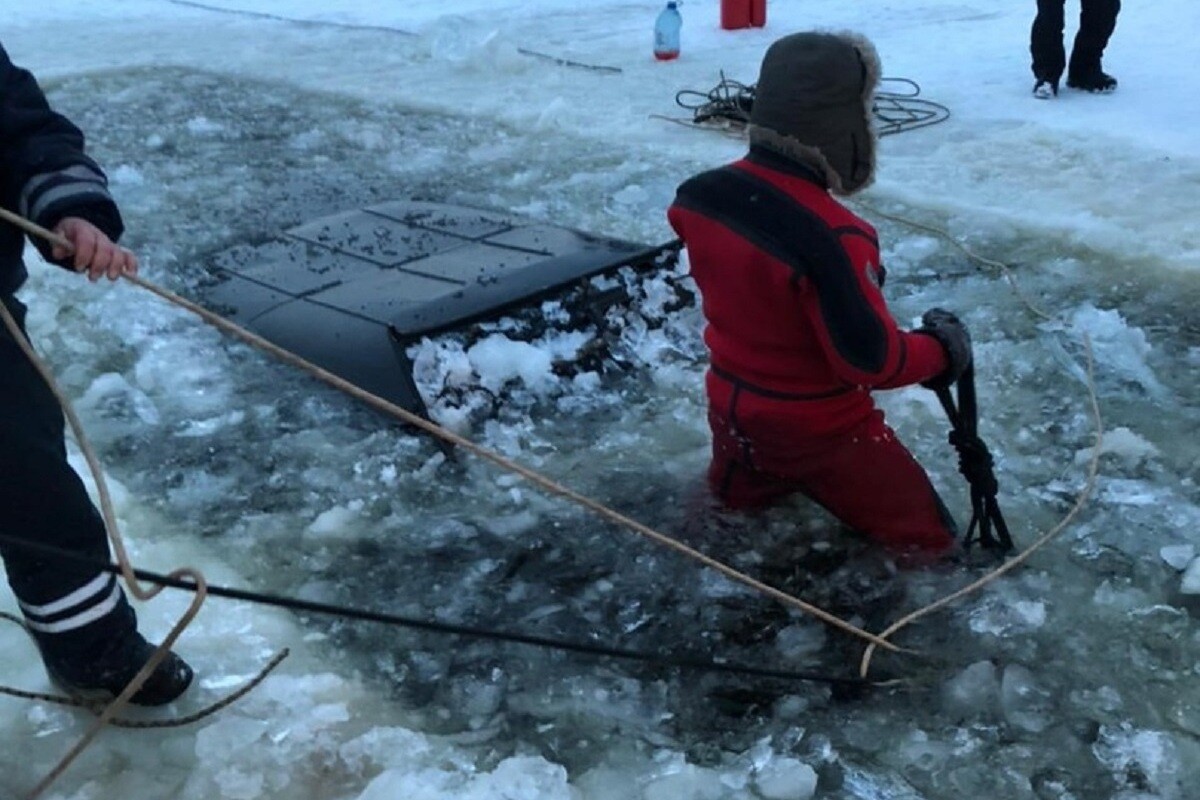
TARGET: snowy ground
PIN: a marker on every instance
(1072, 678)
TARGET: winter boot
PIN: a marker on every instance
(1045, 90)
(104, 677)
(1097, 81)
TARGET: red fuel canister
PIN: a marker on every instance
(758, 13)
(735, 14)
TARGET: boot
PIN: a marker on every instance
(1096, 80)
(1045, 90)
(101, 679)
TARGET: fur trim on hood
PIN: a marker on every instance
(814, 103)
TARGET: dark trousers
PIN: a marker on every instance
(1097, 20)
(73, 610)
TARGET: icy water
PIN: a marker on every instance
(1074, 677)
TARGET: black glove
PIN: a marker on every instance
(952, 335)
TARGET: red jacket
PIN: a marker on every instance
(790, 281)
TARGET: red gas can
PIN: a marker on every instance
(735, 14)
(743, 14)
(758, 13)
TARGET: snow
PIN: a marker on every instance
(224, 121)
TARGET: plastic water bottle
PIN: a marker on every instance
(666, 32)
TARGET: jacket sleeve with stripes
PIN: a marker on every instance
(45, 174)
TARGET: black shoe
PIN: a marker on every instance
(1098, 81)
(103, 678)
(1044, 90)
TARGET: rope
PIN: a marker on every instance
(532, 476)
(118, 722)
(313, 23)
(1016, 561)
(975, 464)
(943, 234)
(112, 529)
(364, 615)
(566, 62)
(728, 105)
(126, 570)
(1093, 467)
(546, 484)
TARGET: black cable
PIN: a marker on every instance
(975, 463)
(294, 604)
(730, 102)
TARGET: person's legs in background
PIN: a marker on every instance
(1046, 47)
(1097, 21)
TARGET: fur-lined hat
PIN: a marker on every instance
(813, 103)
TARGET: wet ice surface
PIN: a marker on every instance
(1072, 677)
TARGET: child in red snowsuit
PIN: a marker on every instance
(798, 331)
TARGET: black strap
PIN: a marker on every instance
(677, 659)
(975, 463)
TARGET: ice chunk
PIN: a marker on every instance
(972, 691)
(1150, 755)
(802, 639)
(1178, 556)
(1123, 443)
(1122, 348)
(1024, 703)
(786, 779)
(999, 616)
(113, 394)
(499, 359)
(632, 195)
(336, 522)
(679, 780)
(1191, 578)
(203, 126)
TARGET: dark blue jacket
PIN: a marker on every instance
(44, 173)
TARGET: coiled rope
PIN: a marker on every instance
(726, 108)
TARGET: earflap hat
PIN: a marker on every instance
(813, 103)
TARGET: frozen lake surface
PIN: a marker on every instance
(1073, 677)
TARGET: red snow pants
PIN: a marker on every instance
(762, 451)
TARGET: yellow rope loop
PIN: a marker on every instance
(112, 529)
(1093, 467)
(127, 573)
(1016, 561)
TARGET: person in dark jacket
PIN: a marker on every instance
(79, 616)
(798, 331)
(1097, 21)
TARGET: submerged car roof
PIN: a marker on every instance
(350, 291)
